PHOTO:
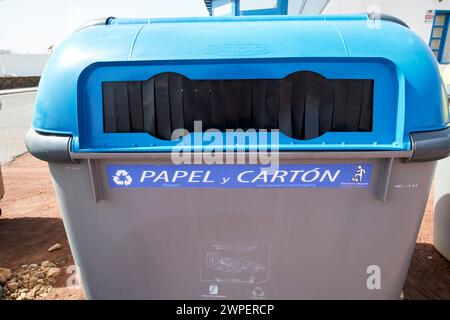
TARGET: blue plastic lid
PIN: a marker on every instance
(408, 94)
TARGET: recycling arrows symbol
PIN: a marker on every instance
(122, 178)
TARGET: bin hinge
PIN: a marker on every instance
(49, 147)
(430, 145)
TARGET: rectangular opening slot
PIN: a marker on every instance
(303, 105)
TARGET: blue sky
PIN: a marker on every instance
(31, 26)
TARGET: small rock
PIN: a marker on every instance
(33, 265)
(45, 264)
(24, 272)
(5, 275)
(430, 258)
(21, 297)
(24, 266)
(32, 293)
(33, 282)
(54, 247)
(53, 272)
(12, 286)
(40, 281)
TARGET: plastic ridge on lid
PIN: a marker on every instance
(352, 17)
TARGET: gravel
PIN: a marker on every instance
(30, 282)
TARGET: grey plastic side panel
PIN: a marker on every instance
(311, 243)
(50, 148)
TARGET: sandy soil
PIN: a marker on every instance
(31, 223)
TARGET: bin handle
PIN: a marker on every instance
(386, 17)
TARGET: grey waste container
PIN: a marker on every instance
(441, 221)
(328, 205)
(2, 187)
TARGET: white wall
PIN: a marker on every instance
(33, 26)
(22, 64)
(306, 7)
(410, 11)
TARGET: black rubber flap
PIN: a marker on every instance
(303, 105)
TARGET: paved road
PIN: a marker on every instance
(16, 111)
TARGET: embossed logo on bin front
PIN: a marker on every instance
(238, 49)
(240, 176)
(235, 263)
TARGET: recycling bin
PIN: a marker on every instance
(251, 157)
(441, 217)
(2, 188)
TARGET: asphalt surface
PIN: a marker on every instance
(16, 111)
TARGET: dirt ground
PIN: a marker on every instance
(31, 223)
(429, 272)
